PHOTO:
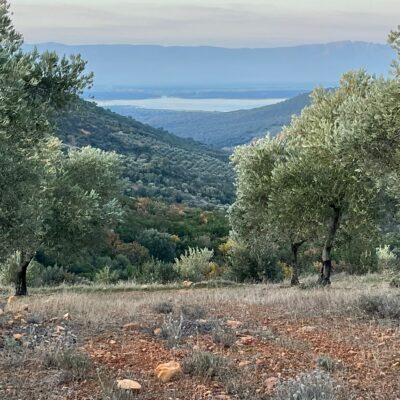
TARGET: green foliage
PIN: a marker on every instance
(154, 271)
(160, 245)
(327, 363)
(387, 259)
(330, 174)
(245, 265)
(157, 164)
(60, 201)
(194, 264)
(207, 365)
(33, 87)
(105, 276)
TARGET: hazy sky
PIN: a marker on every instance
(231, 23)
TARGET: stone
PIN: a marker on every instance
(157, 331)
(187, 284)
(270, 383)
(167, 371)
(1, 312)
(18, 336)
(130, 326)
(244, 364)
(18, 317)
(11, 300)
(308, 328)
(59, 329)
(67, 317)
(128, 384)
(245, 341)
(233, 324)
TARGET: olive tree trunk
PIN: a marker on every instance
(326, 269)
(20, 286)
(295, 263)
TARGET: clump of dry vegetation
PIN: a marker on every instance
(315, 385)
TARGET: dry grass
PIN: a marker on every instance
(293, 332)
(108, 307)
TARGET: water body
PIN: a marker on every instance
(182, 104)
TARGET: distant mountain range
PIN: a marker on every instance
(221, 129)
(158, 66)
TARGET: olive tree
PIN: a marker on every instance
(264, 208)
(78, 207)
(48, 198)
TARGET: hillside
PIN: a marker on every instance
(157, 163)
(157, 66)
(221, 129)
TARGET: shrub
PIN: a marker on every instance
(193, 311)
(164, 308)
(194, 265)
(37, 274)
(395, 282)
(154, 271)
(380, 306)
(224, 337)
(310, 386)
(9, 269)
(247, 265)
(207, 365)
(172, 331)
(160, 245)
(76, 365)
(327, 363)
(55, 275)
(106, 276)
(387, 259)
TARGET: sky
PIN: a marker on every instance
(226, 23)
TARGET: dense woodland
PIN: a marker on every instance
(89, 195)
(157, 163)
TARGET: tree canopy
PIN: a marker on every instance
(328, 171)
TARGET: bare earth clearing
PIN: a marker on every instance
(75, 345)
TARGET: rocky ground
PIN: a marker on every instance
(254, 342)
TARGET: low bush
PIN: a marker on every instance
(395, 282)
(327, 363)
(224, 337)
(193, 311)
(380, 306)
(75, 365)
(207, 365)
(172, 331)
(309, 386)
(163, 308)
(194, 264)
(155, 271)
(37, 274)
(106, 276)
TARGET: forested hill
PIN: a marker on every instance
(158, 164)
(221, 129)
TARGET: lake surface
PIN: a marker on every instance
(182, 104)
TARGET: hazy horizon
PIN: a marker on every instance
(316, 43)
(217, 23)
